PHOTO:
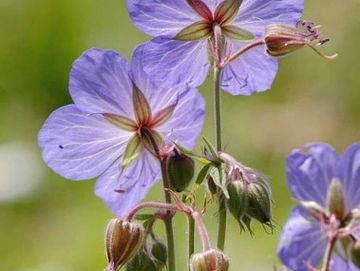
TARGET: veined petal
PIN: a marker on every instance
(250, 73)
(339, 264)
(121, 122)
(80, 146)
(132, 151)
(311, 171)
(349, 174)
(302, 241)
(196, 31)
(187, 120)
(227, 10)
(162, 17)
(237, 33)
(255, 15)
(100, 83)
(171, 62)
(141, 106)
(121, 189)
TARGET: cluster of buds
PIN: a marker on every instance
(281, 39)
(249, 193)
(122, 241)
(210, 260)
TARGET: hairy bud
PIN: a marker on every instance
(259, 201)
(355, 254)
(281, 39)
(159, 252)
(237, 202)
(181, 170)
(335, 199)
(211, 260)
(123, 239)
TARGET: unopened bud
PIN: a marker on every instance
(181, 170)
(159, 252)
(355, 254)
(142, 261)
(123, 239)
(259, 201)
(283, 39)
(211, 260)
(335, 199)
(237, 202)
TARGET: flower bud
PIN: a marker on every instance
(142, 262)
(237, 202)
(181, 171)
(335, 199)
(281, 39)
(211, 260)
(159, 252)
(355, 254)
(123, 239)
(259, 195)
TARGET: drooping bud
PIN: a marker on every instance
(259, 194)
(142, 262)
(181, 170)
(159, 252)
(355, 254)
(123, 239)
(211, 260)
(237, 202)
(335, 199)
(281, 39)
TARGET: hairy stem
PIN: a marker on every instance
(328, 254)
(191, 237)
(168, 222)
(218, 143)
(204, 236)
(150, 204)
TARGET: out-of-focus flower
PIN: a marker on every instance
(327, 188)
(189, 32)
(118, 120)
(210, 260)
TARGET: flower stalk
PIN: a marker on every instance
(328, 254)
(218, 143)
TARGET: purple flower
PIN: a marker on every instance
(107, 132)
(318, 178)
(184, 36)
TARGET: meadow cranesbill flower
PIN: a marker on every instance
(327, 186)
(118, 119)
(190, 32)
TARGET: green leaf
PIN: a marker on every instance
(237, 33)
(132, 151)
(202, 174)
(149, 138)
(120, 121)
(211, 149)
(141, 106)
(196, 31)
(219, 177)
(227, 10)
(196, 157)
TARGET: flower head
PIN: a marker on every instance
(113, 130)
(189, 32)
(327, 187)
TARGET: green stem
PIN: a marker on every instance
(191, 237)
(328, 254)
(168, 221)
(218, 143)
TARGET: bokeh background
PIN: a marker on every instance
(50, 224)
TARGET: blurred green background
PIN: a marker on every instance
(49, 224)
